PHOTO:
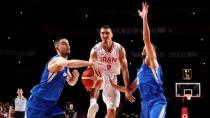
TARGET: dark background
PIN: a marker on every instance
(180, 29)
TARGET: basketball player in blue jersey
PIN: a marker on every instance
(43, 100)
(149, 79)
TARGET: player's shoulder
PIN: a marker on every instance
(97, 46)
(54, 59)
(118, 45)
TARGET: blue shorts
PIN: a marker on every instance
(39, 108)
(157, 110)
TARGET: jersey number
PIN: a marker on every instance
(109, 66)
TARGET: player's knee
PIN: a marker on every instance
(111, 107)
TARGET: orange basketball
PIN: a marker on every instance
(90, 79)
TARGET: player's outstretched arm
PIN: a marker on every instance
(57, 64)
(76, 63)
(151, 53)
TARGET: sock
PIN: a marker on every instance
(92, 101)
(93, 108)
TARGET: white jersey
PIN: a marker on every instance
(108, 60)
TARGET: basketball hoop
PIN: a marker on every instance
(188, 96)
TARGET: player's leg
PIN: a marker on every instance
(111, 98)
(111, 113)
(93, 108)
(158, 111)
(35, 108)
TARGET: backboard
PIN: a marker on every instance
(184, 89)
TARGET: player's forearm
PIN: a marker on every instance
(146, 37)
(146, 32)
(133, 86)
(77, 63)
(126, 78)
(119, 88)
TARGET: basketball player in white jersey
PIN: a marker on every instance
(111, 57)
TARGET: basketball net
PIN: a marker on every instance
(188, 96)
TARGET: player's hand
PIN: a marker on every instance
(129, 96)
(75, 73)
(97, 69)
(144, 11)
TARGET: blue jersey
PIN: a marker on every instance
(51, 84)
(150, 87)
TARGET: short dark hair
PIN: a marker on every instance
(19, 88)
(58, 39)
(106, 27)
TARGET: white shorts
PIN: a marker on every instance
(111, 96)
